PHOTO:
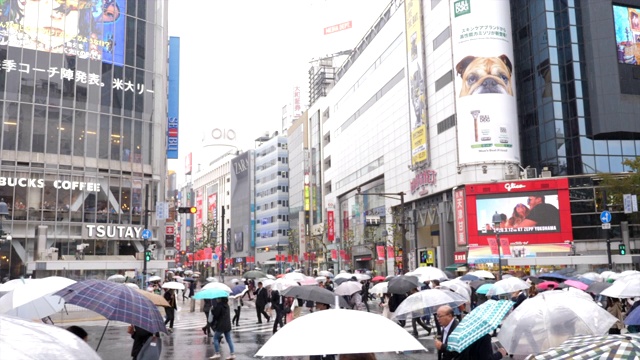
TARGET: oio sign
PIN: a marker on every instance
(223, 134)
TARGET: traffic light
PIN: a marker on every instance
(622, 248)
(187, 210)
(147, 255)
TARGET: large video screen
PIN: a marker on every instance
(627, 26)
(520, 213)
(89, 29)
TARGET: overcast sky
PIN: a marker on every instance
(240, 62)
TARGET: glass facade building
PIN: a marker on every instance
(83, 107)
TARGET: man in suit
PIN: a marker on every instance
(448, 322)
(262, 298)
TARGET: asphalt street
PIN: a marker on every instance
(188, 341)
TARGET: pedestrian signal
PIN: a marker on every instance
(147, 255)
(622, 248)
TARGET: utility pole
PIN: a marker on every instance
(222, 249)
(146, 225)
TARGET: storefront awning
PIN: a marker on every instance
(455, 267)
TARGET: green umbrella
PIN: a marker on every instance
(585, 347)
(479, 322)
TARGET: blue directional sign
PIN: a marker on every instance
(146, 234)
(605, 217)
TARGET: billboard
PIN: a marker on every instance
(212, 204)
(416, 66)
(487, 119)
(173, 99)
(242, 234)
(88, 29)
(626, 21)
(530, 212)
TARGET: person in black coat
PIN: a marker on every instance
(448, 323)
(365, 294)
(277, 304)
(222, 320)
(169, 295)
(262, 298)
(206, 308)
(139, 336)
(482, 349)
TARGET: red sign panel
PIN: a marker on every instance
(334, 254)
(460, 216)
(331, 226)
(170, 230)
(529, 212)
(460, 257)
(339, 27)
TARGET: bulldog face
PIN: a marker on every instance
(485, 75)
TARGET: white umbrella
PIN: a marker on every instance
(428, 273)
(179, 279)
(283, 283)
(308, 280)
(548, 319)
(426, 302)
(380, 288)
(348, 288)
(577, 292)
(326, 273)
(591, 276)
(321, 279)
(296, 276)
(21, 339)
(344, 275)
(294, 339)
(507, 286)
(217, 285)
(155, 278)
(269, 276)
(482, 274)
(267, 282)
(211, 279)
(458, 286)
(173, 285)
(117, 278)
(132, 285)
(625, 287)
(12, 284)
(34, 300)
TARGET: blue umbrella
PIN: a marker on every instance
(484, 289)
(583, 280)
(238, 289)
(553, 275)
(210, 294)
(479, 322)
(469, 277)
(633, 318)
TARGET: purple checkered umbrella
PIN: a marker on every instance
(115, 302)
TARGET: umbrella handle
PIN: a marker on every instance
(103, 331)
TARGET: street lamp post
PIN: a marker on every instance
(402, 223)
(279, 260)
(497, 220)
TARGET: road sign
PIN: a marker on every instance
(605, 216)
(606, 226)
(146, 234)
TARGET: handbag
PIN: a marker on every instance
(151, 349)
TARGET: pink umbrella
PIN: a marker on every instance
(547, 285)
(577, 284)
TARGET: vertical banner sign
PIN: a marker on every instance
(380, 252)
(416, 74)
(212, 204)
(188, 164)
(334, 254)
(173, 97)
(199, 197)
(484, 82)
(461, 216)
(301, 234)
(331, 226)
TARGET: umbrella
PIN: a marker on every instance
(238, 289)
(33, 300)
(156, 299)
(321, 279)
(254, 274)
(295, 276)
(210, 294)
(12, 284)
(507, 286)
(458, 286)
(114, 302)
(188, 272)
(468, 277)
(315, 294)
(340, 281)
(154, 278)
(403, 284)
(477, 283)
(21, 339)
(594, 347)
(532, 279)
(577, 284)
(598, 287)
(132, 285)
(626, 287)
(506, 276)
(484, 289)
(294, 340)
(483, 274)
(283, 283)
(547, 285)
(267, 282)
(548, 319)
(449, 274)
(117, 278)
(633, 318)
(380, 288)
(553, 276)
(378, 278)
(218, 285)
(479, 322)
(326, 273)
(591, 276)
(348, 288)
(173, 285)
(428, 273)
(345, 275)
(426, 302)
(308, 281)
(211, 279)
(576, 292)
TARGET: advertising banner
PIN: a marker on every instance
(212, 204)
(487, 119)
(416, 66)
(331, 227)
(199, 198)
(627, 25)
(461, 217)
(380, 252)
(460, 257)
(173, 101)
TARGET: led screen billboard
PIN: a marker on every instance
(627, 26)
(89, 29)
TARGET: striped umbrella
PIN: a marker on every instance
(581, 347)
(481, 321)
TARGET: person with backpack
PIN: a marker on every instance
(394, 301)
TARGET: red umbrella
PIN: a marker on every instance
(378, 278)
(280, 276)
(547, 285)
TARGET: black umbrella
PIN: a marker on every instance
(339, 281)
(477, 283)
(403, 284)
(315, 294)
(449, 274)
(598, 287)
(533, 279)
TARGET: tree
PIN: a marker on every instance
(209, 235)
(616, 185)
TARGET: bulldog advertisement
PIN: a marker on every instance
(485, 92)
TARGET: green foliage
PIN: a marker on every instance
(616, 185)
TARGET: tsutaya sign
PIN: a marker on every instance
(58, 184)
(112, 232)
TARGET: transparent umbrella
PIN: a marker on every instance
(426, 302)
(624, 287)
(458, 286)
(548, 319)
(380, 288)
(218, 285)
(507, 286)
(428, 273)
(34, 300)
(348, 288)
